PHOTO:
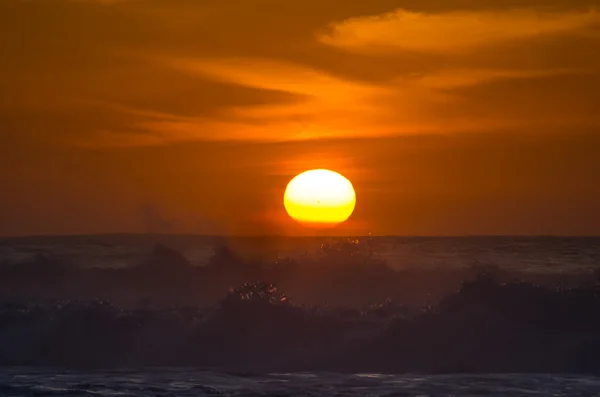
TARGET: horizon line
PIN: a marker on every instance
(154, 234)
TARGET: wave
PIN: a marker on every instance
(193, 382)
(342, 310)
(486, 326)
(341, 272)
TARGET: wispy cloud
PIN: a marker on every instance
(451, 31)
(104, 2)
(277, 75)
(324, 100)
(219, 76)
(455, 78)
(327, 107)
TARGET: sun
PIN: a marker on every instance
(319, 198)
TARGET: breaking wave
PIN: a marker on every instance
(341, 310)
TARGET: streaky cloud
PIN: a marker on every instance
(453, 32)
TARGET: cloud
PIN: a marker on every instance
(323, 111)
(327, 106)
(457, 78)
(228, 73)
(103, 2)
(276, 75)
(452, 31)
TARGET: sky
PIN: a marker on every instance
(450, 117)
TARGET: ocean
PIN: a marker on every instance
(169, 316)
(184, 382)
(535, 254)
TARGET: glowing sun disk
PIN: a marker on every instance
(319, 198)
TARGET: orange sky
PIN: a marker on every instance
(450, 117)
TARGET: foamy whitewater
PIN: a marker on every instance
(188, 382)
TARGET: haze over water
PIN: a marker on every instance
(533, 254)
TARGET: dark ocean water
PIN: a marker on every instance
(538, 254)
(188, 382)
(483, 326)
